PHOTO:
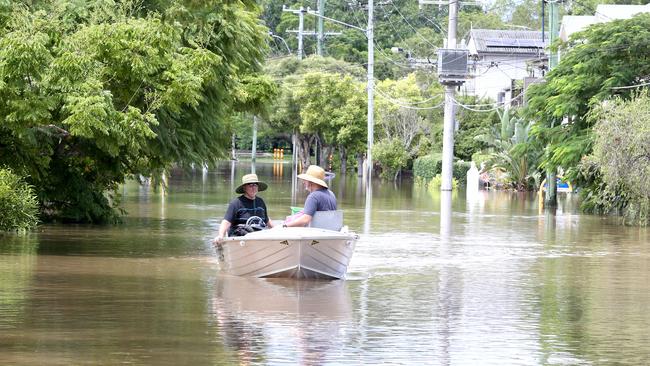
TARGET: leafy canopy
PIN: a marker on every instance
(594, 63)
(93, 92)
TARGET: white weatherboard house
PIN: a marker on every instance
(604, 13)
(501, 61)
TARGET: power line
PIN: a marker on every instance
(406, 106)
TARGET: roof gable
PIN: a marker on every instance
(498, 41)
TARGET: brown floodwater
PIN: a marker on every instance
(479, 279)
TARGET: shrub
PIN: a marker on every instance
(460, 169)
(391, 156)
(436, 182)
(480, 158)
(428, 167)
(18, 204)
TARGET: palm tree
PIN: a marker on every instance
(514, 151)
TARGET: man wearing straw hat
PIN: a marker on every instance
(320, 198)
(244, 207)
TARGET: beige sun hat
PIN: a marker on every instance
(314, 174)
(251, 178)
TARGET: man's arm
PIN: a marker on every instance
(223, 229)
(303, 220)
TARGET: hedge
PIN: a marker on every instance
(427, 167)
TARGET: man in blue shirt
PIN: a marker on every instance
(320, 198)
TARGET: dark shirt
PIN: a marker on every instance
(242, 208)
(320, 200)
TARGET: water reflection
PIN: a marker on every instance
(477, 279)
(367, 213)
(445, 216)
(265, 318)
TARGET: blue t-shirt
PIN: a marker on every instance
(320, 200)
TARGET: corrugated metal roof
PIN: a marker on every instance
(498, 41)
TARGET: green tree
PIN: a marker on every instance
(477, 19)
(472, 122)
(594, 64)
(333, 109)
(514, 151)
(290, 108)
(624, 164)
(93, 92)
(391, 156)
(402, 117)
(18, 204)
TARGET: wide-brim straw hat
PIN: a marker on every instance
(314, 174)
(251, 178)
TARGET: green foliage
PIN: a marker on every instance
(480, 158)
(594, 62)
(478, 19)
(404, 112)
(93, 92)
(401, 23)
(18, 203)
(255, 94)
(322, 100)
(429, 166)
(471, 124)
(394, 116)
(625, 164)
(391, 156)
(459, 171)
(607, 198)
(325, 100)
(514, 151)
(436, 182)
(597, 196)
(334, 108)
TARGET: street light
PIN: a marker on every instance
(282, 39)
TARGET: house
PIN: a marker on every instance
(500, 62)
(604, 13)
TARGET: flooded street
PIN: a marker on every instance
(491, 280)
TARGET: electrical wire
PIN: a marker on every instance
(406, 106)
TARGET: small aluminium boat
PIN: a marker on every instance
(298, 252)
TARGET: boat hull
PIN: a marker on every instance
(304, 253)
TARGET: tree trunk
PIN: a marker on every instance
(327, 152)
(344, 159)
(359, 164)
(303, 151)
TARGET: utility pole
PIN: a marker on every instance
(321, 12)
(450, 108)
(451, 74)
(369, 32)
(301, 24)
(550, 199)
(320, 35)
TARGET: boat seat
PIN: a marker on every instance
(329, 220)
